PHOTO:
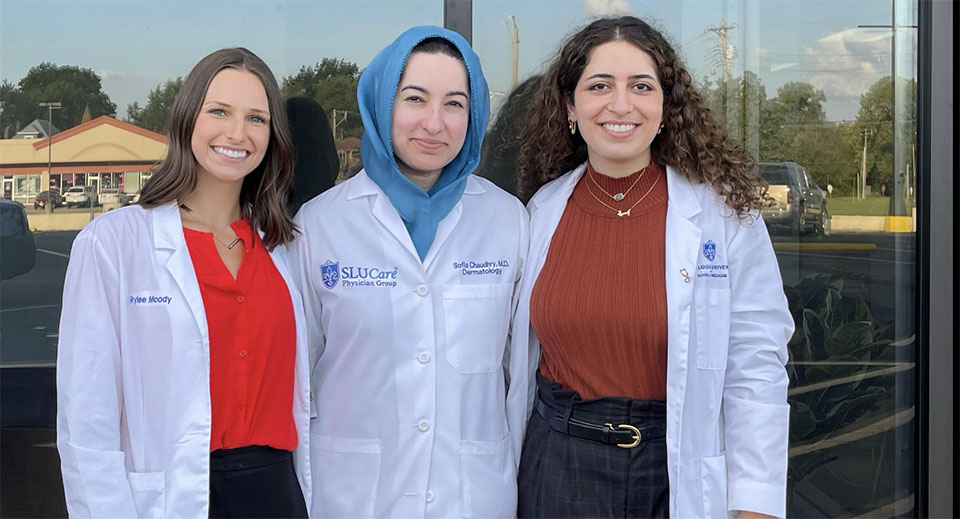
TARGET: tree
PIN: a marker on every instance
(738, 107)
(74, 87)
(798, 108)
(333, 83)
(875, 118)
(10, 98)
(793, 127)
(155, 114)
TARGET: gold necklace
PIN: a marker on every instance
(627, 212)
(229, 246)
(620, 196)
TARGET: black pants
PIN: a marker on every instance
(566, 476)
(254, 481)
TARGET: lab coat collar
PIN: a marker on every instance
(167, 227)
(361, 185)
(681, 195)
(364, 186)
(561, 187)
(474, 187)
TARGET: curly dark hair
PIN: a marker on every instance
(498, 158)
(691, 141)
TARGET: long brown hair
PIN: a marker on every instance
(263, 195)
(691, 141)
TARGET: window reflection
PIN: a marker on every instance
(115, 68)
(823, 95)
(811, 94)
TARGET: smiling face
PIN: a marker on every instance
(232, 130)
(430, 115)
(618, 107)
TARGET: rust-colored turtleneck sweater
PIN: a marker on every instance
(599, 305)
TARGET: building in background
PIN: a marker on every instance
(102, 153)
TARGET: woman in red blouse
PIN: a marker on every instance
(182, 382)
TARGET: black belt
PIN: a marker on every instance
(622, 435)
(248, 457)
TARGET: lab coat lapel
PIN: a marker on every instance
(547, 215)
(449, 223)
(682, 246)
(171, 251)
(383, 211)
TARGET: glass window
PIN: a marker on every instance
(774, 174)
(125, 61)
(830, 86)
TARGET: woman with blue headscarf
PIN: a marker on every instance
(408, 270)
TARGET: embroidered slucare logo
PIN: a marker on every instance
(481, 268)
(357, 276)
(330, 273)
(149, 300)
(711, 270)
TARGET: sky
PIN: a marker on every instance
(134, 45)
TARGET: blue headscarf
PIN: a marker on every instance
(420, 210)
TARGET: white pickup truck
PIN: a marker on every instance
(79, 196)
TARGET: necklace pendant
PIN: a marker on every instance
(618, 197)
(624, 213)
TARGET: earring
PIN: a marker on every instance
(660, 130)
(573, 127)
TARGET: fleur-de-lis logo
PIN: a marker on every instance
(710, 250)
(330, 273)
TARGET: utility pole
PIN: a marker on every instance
(337, 120)
(727, 52)
(862, 181)
(50, 106)
(516, 51)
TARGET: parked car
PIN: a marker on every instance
(18, 248)
(52, 197)
(82, 196)
(114, 196)
(798, 204)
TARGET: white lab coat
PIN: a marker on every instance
(410, 388)
(133, 371)
(727, 414)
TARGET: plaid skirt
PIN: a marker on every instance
(566, 476)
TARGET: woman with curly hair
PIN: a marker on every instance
(656, 315)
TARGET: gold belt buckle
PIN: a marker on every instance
(634, 430)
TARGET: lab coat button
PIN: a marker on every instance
(423, 358)
(422, 290)
(429, 496)
(423, 426)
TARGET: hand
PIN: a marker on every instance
(744, 514)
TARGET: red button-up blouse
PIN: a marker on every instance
(252, 343)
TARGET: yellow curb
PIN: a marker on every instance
(897, 224)
(792, 245)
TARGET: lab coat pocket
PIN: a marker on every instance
(147, 490)
(476, 318)
(346, 476)
(488, 479)
(713, 474)
(713, 328)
